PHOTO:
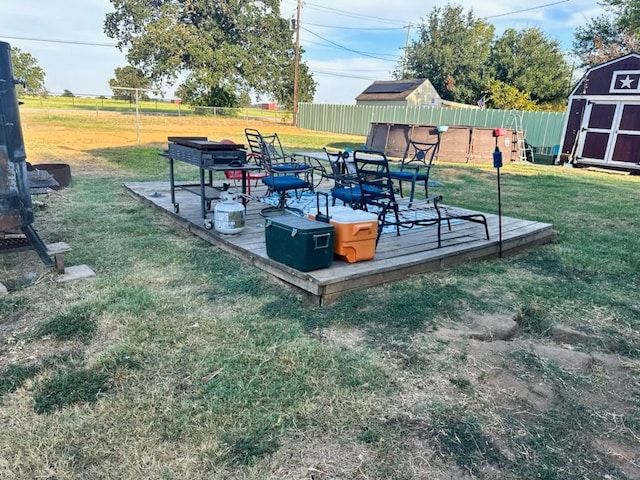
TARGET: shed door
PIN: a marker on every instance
(611, 133)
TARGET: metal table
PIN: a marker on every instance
(204, 188)
(319, 161)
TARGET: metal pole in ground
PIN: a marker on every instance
(497, 163)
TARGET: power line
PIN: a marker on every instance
(526, 9)
(329, 74)
(354, 28)
(72, 42)
(356, 15)
(350, 69)
(342, 47)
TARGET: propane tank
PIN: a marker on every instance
(229, 214)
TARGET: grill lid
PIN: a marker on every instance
(201, 143)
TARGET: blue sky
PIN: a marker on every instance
(348, 43)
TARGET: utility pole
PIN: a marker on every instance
(404, 57)
(296, 67)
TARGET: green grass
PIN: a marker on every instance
(78, 323)
(69, 387)
(15, 376)
(364, 388)
(147, 107)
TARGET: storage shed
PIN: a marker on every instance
(414, 93)
(602, 125)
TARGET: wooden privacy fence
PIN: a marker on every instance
(542, 129)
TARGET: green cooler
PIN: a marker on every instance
(299, 242)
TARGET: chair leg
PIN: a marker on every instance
(281, 208)
(411, 195)
(397, 216)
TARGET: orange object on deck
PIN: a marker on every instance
(355, 233)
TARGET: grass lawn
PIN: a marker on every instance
(179, 361)
(151, 107)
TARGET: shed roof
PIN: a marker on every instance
(392, 89)
(581, 86)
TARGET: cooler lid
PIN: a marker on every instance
(345, 214)
(302, 224)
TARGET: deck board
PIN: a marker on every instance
(414, 251)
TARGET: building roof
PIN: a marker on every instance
(581, 85)
(393, 89)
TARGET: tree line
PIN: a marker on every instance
(223, 52)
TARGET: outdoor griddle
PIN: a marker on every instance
(208, 156)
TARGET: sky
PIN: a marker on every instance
(348, 44)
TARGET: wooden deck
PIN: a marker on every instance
(414, 251)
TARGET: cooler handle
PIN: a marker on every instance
(319, 216)
(322, 236)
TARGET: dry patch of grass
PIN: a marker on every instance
(71, 137)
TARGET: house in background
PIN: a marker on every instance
(602, 125)
(407, 93)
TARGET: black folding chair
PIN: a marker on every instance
(281, 176)
(416, 165)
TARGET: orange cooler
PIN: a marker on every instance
(355, 233)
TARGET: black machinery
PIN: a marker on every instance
(16, 211)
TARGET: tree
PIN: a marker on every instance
(627, 14)
(603, 39)
(67, 93)
(532, 64)
(611, 35)
(283, 91)
(221, 48)
(26, 66)
(452, 52)
(507, 97)
(129, 77)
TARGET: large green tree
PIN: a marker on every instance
(221, 48)
(528, 61)
(451, 51)
(604, 38)
(26, 66)
(129, 77)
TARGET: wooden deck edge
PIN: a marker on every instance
(326, 291)
(483, 251)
